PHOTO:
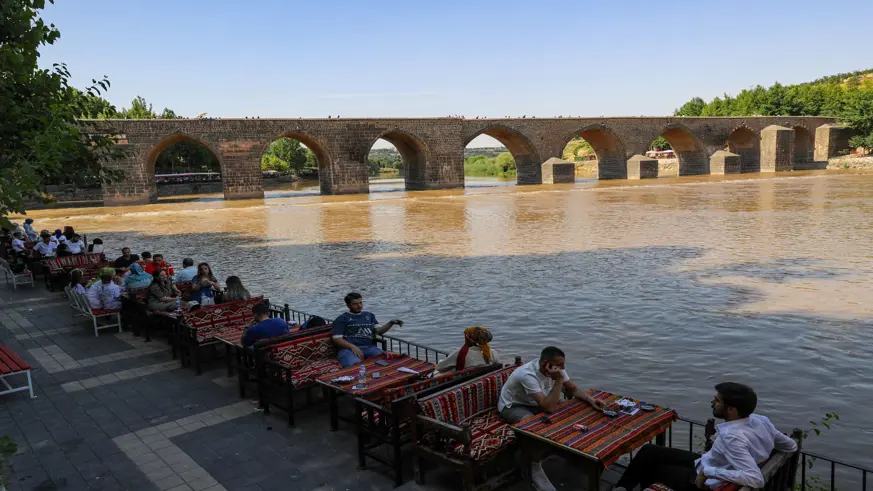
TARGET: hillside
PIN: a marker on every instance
(847, 96)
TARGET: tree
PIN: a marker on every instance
(139, 109)
(505, 163)
(168, 113)
(40, 137)
(694, 107)
(186, 156)
(272, 162)
(660, 143)
(311, 160)
(290, 151)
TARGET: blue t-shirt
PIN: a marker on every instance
(355, 328)
(267, 328)
(204, 291)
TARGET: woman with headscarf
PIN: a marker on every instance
(137, 278)
(162, 293)
(475, 353)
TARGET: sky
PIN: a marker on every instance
(418, 58)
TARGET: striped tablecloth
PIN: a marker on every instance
(231, 335)
(607, 438)
(389, 376)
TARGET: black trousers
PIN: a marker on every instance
(656, 464)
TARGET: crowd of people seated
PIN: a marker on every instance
(743, 442)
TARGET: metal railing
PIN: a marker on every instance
(289, 314)
(834, 466)
(415, 350)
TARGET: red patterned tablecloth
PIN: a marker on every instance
(231, 335)
(389, 376)
(607, 438)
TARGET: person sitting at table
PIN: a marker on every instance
(536, 387)
(104, 293)
(77, 281)
(46, 248)
(145, 259)
(263, 327)
(353, 332)
(743, 442)
(188, 271)
(76, 245)
(137, 278)
(96, 246)
(125, 260)
(313, 322)
(159, 263)
(235, 290)
(162, 293)
(474, 353)
(204, 285)
(63, 250)
(18, 243)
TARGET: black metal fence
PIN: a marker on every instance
(810, 476)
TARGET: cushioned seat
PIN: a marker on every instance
(490, 434)
(306, 373)
(104, 311)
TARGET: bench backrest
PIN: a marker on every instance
(59, 264)
(458, 404)
(297, 352)
(394, 393)
(211, 318)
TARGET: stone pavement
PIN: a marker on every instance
(116, 413)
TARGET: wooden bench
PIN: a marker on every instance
(461, 428)
(198, 327)
(10, 365)
(22, 278)
(83, 306)
(292, 365)
(387, 420)
(779, 471)
(56, 269)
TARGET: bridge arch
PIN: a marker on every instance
(414, 153)
(688, 149)
(804, 145)
(163, 145)
(608, 149)
(527, 159)
(322, 155)
(746, 143)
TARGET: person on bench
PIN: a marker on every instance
(263, 326)
(741, 444)
(353, 332)
(104, 293)
(475, 353)
(536, 387)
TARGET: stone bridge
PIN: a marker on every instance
(433, 148)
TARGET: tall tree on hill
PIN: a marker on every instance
(40, 138)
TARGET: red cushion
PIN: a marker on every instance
(104, 311)
(490, 435)
(299, 352)
(307, 373)
(658, 487)
(468, 399)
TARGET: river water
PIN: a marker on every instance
(655, 289)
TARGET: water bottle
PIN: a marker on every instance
(178, 303)
(362, 377)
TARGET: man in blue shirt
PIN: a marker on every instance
(264, 326)
(353, 332)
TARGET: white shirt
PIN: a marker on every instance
(17, 245)
(75, 246)
(474, 359)
(97, 248)
(186, 274)
(46, 249)
(104, 296)
(739, 447)
(80, 289)
(524, 382)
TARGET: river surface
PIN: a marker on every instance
(655, 289)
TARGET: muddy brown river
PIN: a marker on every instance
(656, 289)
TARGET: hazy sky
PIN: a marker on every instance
(406, 58)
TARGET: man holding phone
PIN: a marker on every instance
(353, 332)
(536, 387)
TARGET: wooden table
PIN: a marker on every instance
(606, 439)
(389, 377)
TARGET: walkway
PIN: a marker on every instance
(116, 413)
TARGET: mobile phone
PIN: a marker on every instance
(381, 363)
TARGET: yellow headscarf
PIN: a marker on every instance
(475, 336)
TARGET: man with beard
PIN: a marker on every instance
(741, 444)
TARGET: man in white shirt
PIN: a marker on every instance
(105, 294)
(75, 244)
(536, 387)
(17, 243)
(188, 271)
(46, 246)
(742, 443)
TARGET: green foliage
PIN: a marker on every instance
(577, 150)
(383, 158)
(814, 482)
(7, 449)
(186, 156)
(40, 138)
(660, 143)
(272, 162)
(848, 97)
(139, 109)
(283, 155)
(481, 166)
